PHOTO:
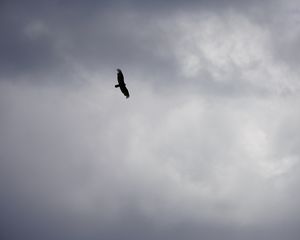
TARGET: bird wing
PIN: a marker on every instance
(121, 78)
(124, 90)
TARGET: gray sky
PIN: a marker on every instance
(207, 146)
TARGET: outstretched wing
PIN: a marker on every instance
(120, 78)
(124, 90)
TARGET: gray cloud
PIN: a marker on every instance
(42, 37)
(206, 147)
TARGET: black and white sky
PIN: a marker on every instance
(207, 146)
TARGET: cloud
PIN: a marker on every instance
(107, 160)
(207, 145)
(45, 38)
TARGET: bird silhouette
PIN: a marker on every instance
(121, 83)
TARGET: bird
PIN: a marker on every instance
(121, 84)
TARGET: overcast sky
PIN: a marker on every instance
(206, 147)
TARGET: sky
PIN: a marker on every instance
(206, 147)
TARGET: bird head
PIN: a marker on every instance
(118, 70)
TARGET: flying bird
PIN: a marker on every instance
(122, 84)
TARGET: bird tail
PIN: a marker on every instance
(116, 86)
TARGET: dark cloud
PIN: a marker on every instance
(42, 37)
